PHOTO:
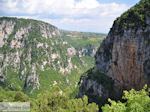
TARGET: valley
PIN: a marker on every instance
(57, 70)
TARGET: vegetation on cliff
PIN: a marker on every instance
(134, 18)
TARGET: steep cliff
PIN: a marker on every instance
(123, 59)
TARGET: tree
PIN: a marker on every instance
(57, 101)
(20, 96)
(136, 101)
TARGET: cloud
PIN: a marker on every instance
(84, 15)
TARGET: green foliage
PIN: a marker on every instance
(115, 107)
(54, 101)
(101, 78)
(20, 96)
(6, 95)
(81, 105)
(12, 96)
(59, 102)
(81, 39)
(13, 81)
(136, 101)
(134, 18)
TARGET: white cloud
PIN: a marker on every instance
(77, 15)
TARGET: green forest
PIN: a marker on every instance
(57, 100)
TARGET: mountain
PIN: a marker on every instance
(122, 61)
(35, 55)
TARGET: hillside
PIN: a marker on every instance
(35, 55)
(83, 39)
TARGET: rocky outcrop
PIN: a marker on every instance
(89, 50)
(124, 56)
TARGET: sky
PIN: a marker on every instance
(75, 15)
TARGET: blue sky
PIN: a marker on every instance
(76, 15)
(128, 2)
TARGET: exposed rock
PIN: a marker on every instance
(48, 31)
(6, 29)
(54, 56)
(89, 50)
(32, 79)
(124, 56)
(71, 51)
(93, 89)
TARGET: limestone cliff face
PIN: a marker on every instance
(127, 61)
(124, 55)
